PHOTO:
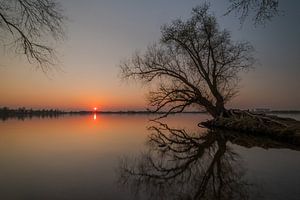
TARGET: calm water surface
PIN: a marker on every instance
(86, 157)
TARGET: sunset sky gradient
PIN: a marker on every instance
(102, 33)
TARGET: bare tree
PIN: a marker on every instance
(262, 10)
(195, 63)
(29, 25)
(184, 165)
(180, 164)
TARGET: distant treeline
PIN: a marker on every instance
(22, 113)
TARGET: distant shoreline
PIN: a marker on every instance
(22, 113)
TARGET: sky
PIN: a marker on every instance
(101, 33)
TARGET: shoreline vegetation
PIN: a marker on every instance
(22, 113)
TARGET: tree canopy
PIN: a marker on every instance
(29, 26)
(179, 164)
(261, 10)
(195, 63)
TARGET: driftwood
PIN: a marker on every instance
(284, 129)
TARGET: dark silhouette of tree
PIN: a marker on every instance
(181, 165)
(29, 24)
(262, 10)
(195, 63)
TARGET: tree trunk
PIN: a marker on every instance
(217, 110)
(220, 110)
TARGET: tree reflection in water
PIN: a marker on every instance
(181, 165)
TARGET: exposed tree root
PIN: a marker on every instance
(285, 129)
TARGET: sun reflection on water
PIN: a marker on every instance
(95, 116)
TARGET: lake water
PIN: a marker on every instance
(110, 157)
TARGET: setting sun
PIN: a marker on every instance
(95, 108)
